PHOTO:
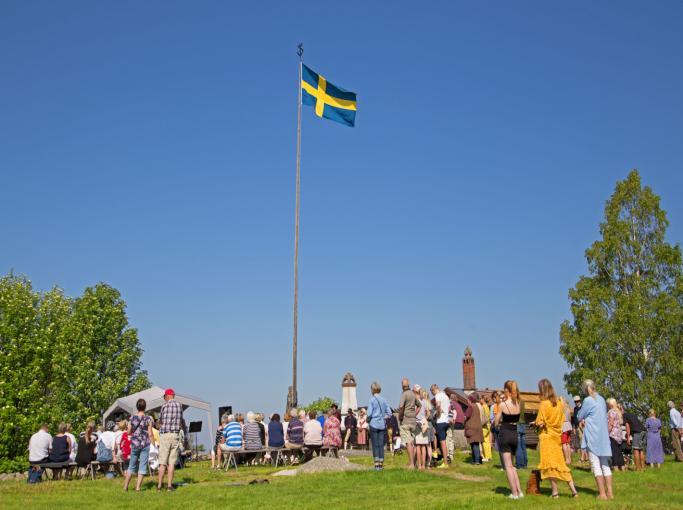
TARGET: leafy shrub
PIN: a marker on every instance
(13, 465)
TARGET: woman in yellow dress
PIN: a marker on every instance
(549, 422)
(486, 426)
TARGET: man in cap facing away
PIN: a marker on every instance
(170, 424)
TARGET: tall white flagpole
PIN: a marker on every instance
(293, 397)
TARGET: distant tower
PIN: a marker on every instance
(348, 393)
(468, 380)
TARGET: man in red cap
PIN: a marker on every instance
(171, 423)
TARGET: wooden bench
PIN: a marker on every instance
(330, 451)
(282, 453)
(56, 468)
(95, 465)
(322, 451)
(277, 455)
(231, 458)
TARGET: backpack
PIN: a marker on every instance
(104, 454)
(35, 474)
(125, 446)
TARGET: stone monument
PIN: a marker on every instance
(348, 394)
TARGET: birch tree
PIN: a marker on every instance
(627, 327)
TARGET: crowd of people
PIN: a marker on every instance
(127, 446)
(300, 430)
(601, 431)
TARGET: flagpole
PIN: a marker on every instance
(293, 397)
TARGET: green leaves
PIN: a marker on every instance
(323, 405)
(627, 331)
(61, 359)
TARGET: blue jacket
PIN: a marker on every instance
(378, 411)
(595, 433)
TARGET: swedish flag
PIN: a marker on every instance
(330, 101)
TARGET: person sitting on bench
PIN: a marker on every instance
(295, 431)
(232, 434)
(252, 435)
(276, 435)
(313, 436)
(85, 453)
(39, 446)
(61, 446)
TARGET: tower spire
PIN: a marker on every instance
(468, 372)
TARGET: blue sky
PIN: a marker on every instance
(151, 145)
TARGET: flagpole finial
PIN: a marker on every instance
(300, 51)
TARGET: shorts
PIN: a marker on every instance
(441, 431)
(225, 448)
(566, 437)
(507, 440)
(421, 438)
(638, 440)
(169, 446)
(408, 433)
(138, 461)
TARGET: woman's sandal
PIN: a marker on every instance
(554, 496)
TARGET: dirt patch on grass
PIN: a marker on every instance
(461, 476)
(322, 465)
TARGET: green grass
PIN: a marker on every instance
(393, 488)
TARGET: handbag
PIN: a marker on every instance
(35, 474)
(533, 485)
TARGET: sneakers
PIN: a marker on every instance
(443, 465)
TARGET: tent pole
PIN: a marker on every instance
(208, 414)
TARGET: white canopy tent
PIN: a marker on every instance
(154, 397)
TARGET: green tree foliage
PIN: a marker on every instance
(323, 405)
(627, 331)
(61, 359)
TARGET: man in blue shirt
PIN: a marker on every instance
(232, 437)
(676, 424)
(593, 418)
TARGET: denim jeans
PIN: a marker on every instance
(521, 459)
(377, 440)
(476, 453)
(138, 457)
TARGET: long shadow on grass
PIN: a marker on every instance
(502, 490)
(152, 484)
(547, 491)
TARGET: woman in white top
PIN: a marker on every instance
(313, 436)
(74, 443)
